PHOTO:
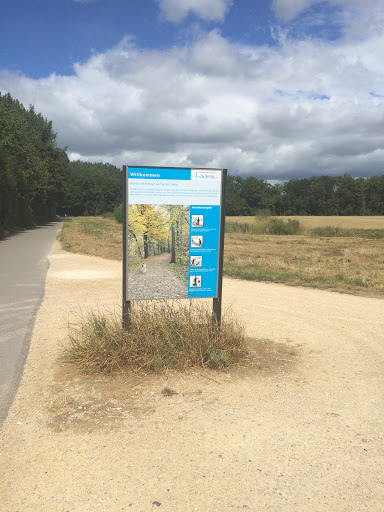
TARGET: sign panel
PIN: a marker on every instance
(173, 233)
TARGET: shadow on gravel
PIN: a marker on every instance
(266, 357)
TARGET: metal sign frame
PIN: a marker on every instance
(173, 171)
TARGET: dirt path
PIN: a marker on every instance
(298, 428)
(158, 281)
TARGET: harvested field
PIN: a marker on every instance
(348, 265)
(312, 222)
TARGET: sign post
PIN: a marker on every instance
(173, 235)
(126, 303)
(217, 301)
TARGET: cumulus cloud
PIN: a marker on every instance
(176, 10)
(292, 110)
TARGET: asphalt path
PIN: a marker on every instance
(23, 267)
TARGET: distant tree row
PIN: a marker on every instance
(92, 189)
(322, 195)
(33, 170)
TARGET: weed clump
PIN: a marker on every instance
(277, 226)
(218, 359)
(238, 227)
(263, 225)
(335, 231)
(162, 335)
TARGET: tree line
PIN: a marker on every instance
(33, 169)
(318, 195)
(37, 182)
(91, 189)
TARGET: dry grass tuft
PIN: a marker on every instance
(61, 401)
(162, 335)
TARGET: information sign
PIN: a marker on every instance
(173, 233)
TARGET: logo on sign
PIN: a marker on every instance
(206, 175)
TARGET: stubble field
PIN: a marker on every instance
(311, 222)
(350, 264)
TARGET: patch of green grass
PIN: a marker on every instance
(257, 273)
(94, 227)
(218, 359)
(161, 336)
(357, 282)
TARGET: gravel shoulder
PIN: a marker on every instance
(298, 427)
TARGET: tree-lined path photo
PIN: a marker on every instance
(158, 248)
(160, 280)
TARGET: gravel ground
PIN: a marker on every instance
(298, 427)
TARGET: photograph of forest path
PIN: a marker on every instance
(158, 248)
(159, 280)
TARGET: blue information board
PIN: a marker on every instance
(204, 250)
(173, 219)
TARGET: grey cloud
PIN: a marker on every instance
(176, 10)
(286, 10)
(298, 109)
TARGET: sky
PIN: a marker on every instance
(276, 89)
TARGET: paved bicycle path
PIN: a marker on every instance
(158, 282)
(23, 266)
